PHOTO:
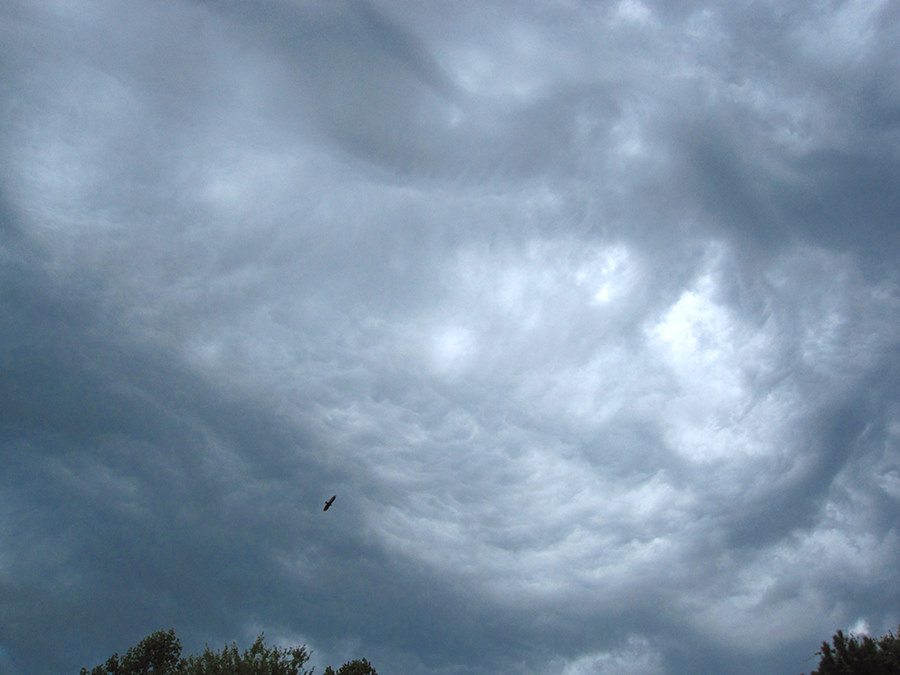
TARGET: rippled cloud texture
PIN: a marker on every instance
(588, 312)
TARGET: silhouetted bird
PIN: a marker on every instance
(329, 502)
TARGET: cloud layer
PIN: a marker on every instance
(587, 311)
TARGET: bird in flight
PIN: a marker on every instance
(329, 502)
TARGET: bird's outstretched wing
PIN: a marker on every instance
(329, 502)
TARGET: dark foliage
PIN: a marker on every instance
(860, 655)
(257, 660)
(355, 667)
(160, 654)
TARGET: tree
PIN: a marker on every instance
(160, 654)
(355, 667)
(257, 660)
(860, 655)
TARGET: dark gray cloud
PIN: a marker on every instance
(587, 312)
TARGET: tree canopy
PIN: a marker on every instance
(355, 667)
(860, 655)
(160, 654)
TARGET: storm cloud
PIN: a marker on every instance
(588, 312)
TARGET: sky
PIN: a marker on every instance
(587, 311)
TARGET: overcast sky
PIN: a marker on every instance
(587, 311)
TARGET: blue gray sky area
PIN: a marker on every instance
(587, 311)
